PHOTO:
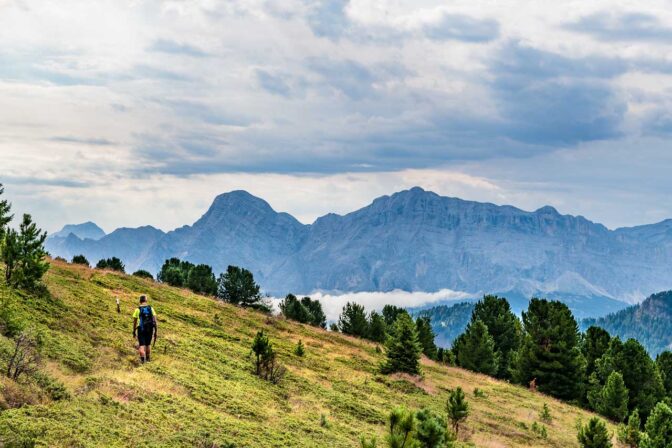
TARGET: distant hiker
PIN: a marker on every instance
(144, 326)
(118, 306)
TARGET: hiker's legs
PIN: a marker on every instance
(141, 352)
(148, 350)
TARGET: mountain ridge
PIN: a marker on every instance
(414, 240)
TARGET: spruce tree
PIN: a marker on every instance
(504, 327)
(353, 320)
(457, 409)
(426, 336)
(549, 353)
(613, 402)
(403, 348)
(658, 428)
(377, 327)
(476, 349)
(390, 314)
(594, 435)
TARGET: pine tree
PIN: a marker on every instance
(549, 353)
(426, 336)
(430, 429)
(293, 309)
(353, 320)
(629, 434)
(595, 344)
(300, 349)
(457, 408)
(317, 316)
(201, 280)
(237, 286)
(658, 428)
(613, 401)
(594, 435)
(24, 254)
(476, 349)
(664, 363)
(377, 328)
(5, 216)
(504, 327)
(403, 348)
(402, 427)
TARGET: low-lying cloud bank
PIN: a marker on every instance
(333, 303)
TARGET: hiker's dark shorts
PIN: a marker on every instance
(145, 336)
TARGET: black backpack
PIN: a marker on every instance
(146, 318)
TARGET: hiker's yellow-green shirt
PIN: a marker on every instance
(136, 313)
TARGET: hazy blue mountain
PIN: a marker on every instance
(416, 240)
(85, 230)
(650, 322)
(448, 321)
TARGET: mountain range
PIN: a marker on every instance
(413, 240)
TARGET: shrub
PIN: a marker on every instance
(55, 389)
(629, 434)
(299, 350)
(458, 408)
(594, 435)
(143, 274)
(80, 259)
(545, 414)
(478, 393)
(24, 357)
(658, 428)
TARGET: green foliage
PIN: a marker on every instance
(80, 259)
(353, 321)
(613, 398)
(306, 311)
(266, 365)
(377, 327)
(201, 280)
(479, 393)
(300, 350)
(174, 272)
(629, 435)
(5, 216)
(549, 353)
(594, 435)
(54, 388)
(368, 443)
(595, 344)
(503, 326)
(430, 429)
(143, 274)
(426, 336)
(11, 323)
(664, 363)
(457, 408)
(24, 255)
(237, 286)
(402, 427)
(539, 430)
(402, 347)
(545, 414)
(114, 264)
(658, 428)
(391, 313)
(640, 375)
(476, 349)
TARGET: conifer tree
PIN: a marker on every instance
(390, 314)
(658, 428)
(353, 320)
(430, 429)
(426, 336)
(549, 353)
(403, 348)
(595, 344)
(457, 408)
(594, 435)
(293, 309)
(201, 280)
(402, 427)
(237, 286)
(377, 327)
(24, 254)
(80, 259)
(629, 435)
(613, 401)
(317, 316)
(664, 363)
(5, 216)
(476, 350)
(504, 327)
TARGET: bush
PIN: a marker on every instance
(113, 264)
(545, 414)
(80, 259)
(143, 274)
(299, 350)
(629, 434)
(594, 435)
(658, 428)
(55, 389)
(478, 393)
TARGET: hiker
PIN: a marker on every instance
(144, 327)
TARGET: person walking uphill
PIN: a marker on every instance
(144, 327)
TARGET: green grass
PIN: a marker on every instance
(199, 385)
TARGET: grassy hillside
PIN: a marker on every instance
(200, 378)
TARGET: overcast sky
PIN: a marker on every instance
(140, 112)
